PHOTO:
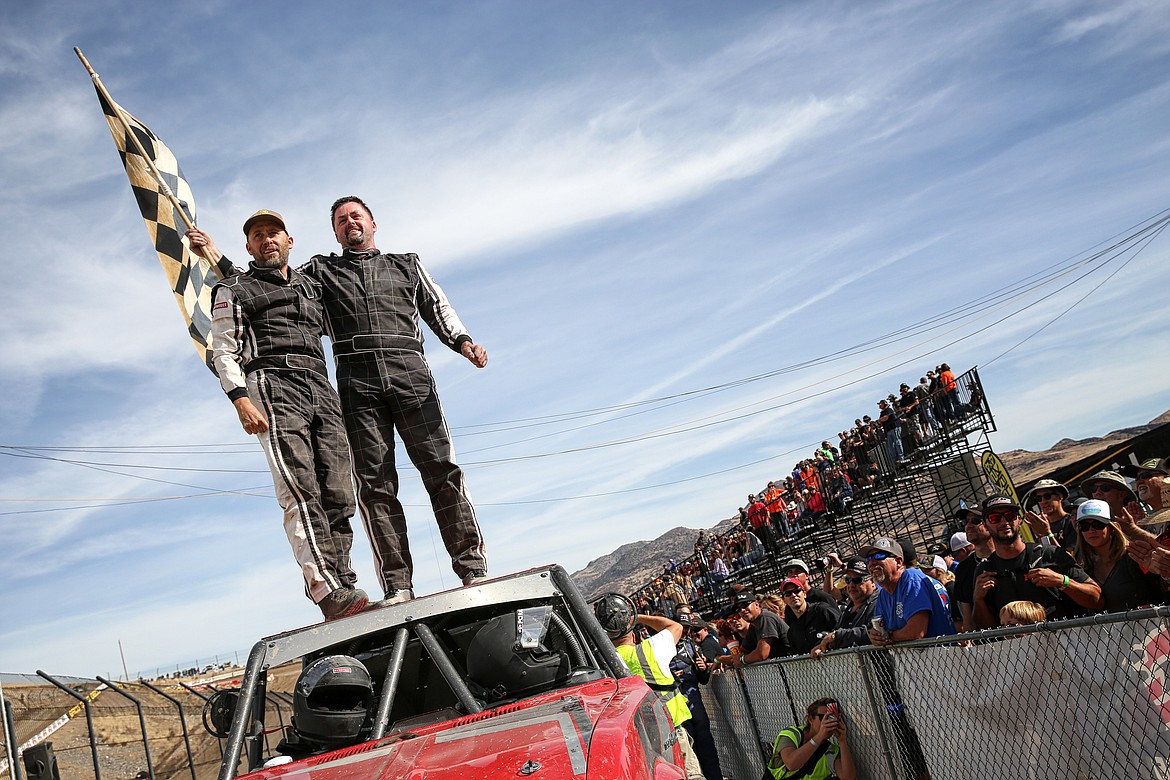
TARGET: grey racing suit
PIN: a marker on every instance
(266, 344)
(373, 302)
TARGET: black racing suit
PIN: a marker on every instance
(266, 344)
(373, 302)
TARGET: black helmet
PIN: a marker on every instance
(332, 700)
(616, 614)
(505, 670)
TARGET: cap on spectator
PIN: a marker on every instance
(968, 513)
(744, 599)
(959, 541)
(264, 214)
(909, 554)
(1095, 509)
(856, 566)
(794, 563)
(996, 501)
(939, 548)
(1110, 478)
(937, 562)
(792, 582)
(690, 621)
(1153, 464)
(885, 545)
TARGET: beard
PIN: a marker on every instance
(276, 259)
(355, 238)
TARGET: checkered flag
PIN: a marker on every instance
(168, 207)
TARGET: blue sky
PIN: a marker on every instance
(624, 201)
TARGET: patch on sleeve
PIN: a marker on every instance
(220, 305)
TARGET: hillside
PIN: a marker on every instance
(633, 564)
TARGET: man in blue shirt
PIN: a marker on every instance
(911, 604)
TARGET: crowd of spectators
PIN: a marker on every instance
(1110, 553)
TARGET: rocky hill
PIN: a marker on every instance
(632, 565)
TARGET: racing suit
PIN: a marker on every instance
(266, 344)
(373, 302)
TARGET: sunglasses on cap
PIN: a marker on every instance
(1086, 524)
(1047, 496)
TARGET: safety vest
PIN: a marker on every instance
(661, 682)
(820, 771)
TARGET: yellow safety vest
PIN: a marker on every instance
(643, 664)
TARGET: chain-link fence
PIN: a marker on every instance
(1087, 699)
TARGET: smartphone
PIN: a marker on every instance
(833, 711)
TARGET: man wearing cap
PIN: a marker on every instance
(892, 425)
(1026, 571)
(852, 629)
(758, 518)
(808, 622)
(373, 302)
(1149, 537)
(978, 538)
(910, 604)
(795, 568)
(767, 635)
(266, 331)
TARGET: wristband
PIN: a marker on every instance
(812, 741)
(1065, 583)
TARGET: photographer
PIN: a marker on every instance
(852, 629)
(818, 749)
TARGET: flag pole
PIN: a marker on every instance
(162, 185)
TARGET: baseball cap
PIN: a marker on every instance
(1095, 509)
(967, 513)
(795, 563)
(791, 581)
(997, 501)
(264, 214)
(856, 566)
(883, 544)
(959, 541)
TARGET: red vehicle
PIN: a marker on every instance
(512, 677)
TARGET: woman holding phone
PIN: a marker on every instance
(818, 750)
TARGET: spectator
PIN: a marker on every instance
(853, 626)
(1101, 552)
(1021, 613)
(807, 623)
(758, 518)
(892, 426)
(910, 604)
(840, 491)
(818, 749)
(737, 629)
(1152, 480)
(961, 547)
(1027, 571)
(797, 569)
(767, 635)
(950, 390)
(979, 537)
(777, 512)
(1112, 488)
(1048, 519)
(691, 668)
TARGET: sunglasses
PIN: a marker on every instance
(1085, 525)
(1002, 517)
(1102, 487)
(855, 580)
(879, 556)
(790, 593)
(821, 715)
(1047, 496)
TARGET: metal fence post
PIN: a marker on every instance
(182, 724)
(141, 722)
(97, 769)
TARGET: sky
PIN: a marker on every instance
(635, 207)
